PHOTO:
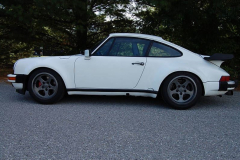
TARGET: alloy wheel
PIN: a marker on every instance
(45, 85)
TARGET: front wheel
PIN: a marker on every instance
(181, 90)
(46, 86)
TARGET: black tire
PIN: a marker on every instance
(46, 86)
(181, 90)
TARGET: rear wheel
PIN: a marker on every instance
(46, 86)
(181, 90)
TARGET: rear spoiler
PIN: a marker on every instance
(219, 57)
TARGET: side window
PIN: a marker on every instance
(104, 49)
(161, 50)
(121, 48)
(129, 47)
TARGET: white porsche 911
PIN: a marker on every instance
(126, 64)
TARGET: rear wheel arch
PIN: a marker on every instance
(161, 85)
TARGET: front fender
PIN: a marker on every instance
(64, 67)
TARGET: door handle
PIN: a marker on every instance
(139, 63)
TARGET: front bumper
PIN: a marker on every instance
(19, 81)
(228, 86)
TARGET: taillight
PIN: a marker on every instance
(225, 78)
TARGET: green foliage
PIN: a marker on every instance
(65, 27)
(234, 73)
(205, 27)
(62, 27)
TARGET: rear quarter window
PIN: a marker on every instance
(161, 50)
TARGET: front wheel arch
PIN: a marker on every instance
(49, 77)
(40, 69)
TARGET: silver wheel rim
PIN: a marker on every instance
(182, 89)
(45, 85)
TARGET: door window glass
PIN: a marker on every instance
(104, 49)
(129, 47)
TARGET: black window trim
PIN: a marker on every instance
(147, 52)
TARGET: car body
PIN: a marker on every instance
(126, 64)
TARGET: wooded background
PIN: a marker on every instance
(65, 27)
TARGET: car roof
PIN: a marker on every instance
(136, 35)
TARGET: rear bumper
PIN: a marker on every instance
(227, 86)
(219, 88)
(19, 82)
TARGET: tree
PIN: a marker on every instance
(66, 27)
(59, 22)
(60, 26)
(204, 26)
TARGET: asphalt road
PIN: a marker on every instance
(100, 127)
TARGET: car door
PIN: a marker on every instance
(117, 64)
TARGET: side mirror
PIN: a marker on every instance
(87, 54)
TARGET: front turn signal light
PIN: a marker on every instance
(12, 78)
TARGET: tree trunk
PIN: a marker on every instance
(81, 22)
